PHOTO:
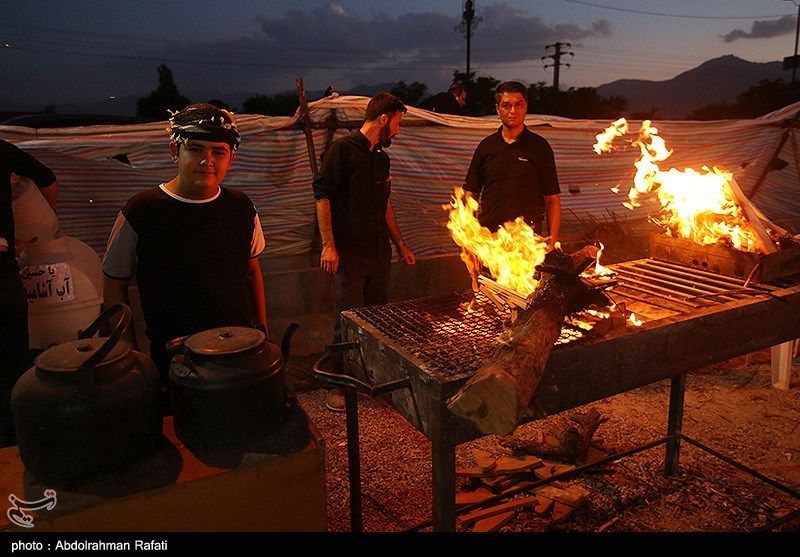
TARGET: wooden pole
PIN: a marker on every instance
(305, 123)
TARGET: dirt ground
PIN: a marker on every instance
(730, 407)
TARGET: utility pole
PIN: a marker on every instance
(557, 63)
(468, 23)
(796, 37)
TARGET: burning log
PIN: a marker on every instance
(498, 395)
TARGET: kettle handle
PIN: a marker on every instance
(112, 339)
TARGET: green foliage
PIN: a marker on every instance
(411, 93)
(280, 104)
(165, 97)
(760, 99)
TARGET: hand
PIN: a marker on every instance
(406, 256)
(329, 260)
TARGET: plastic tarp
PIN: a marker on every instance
(429, 159)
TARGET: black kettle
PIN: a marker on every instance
(227, 386)
(88, 406)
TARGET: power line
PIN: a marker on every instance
(662, 14)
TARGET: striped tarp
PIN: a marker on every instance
(429, 159)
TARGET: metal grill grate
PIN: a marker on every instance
(452, 333)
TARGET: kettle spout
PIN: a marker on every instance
(286, 341)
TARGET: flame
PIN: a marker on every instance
(599, 269)
(511, 253)
(605, 139)
(696, 205)
(633, 321)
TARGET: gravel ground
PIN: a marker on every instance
(730, 406)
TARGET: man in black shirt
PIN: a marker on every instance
(514, 171)
(451, 101)
(355, 217)
(14, 356)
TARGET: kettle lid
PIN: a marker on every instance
(224, 341)
(70, 356)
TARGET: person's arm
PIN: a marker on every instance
(329, 260)
(50, 194)
(325, 185)
(552, 205)
(405, 254)
(115, 291)
(255, 281)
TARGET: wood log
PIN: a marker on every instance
(497, 396)
(569, 444)
(763, 241)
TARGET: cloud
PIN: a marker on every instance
(763, 29)
(349, 48)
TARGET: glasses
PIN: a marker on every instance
(506, 107)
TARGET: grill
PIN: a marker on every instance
(451, 334)
(692, 318)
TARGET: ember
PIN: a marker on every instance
(511, 253)
(697, 205)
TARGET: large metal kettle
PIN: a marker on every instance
(227, 385)
(88, 406)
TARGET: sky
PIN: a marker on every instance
(84, 50)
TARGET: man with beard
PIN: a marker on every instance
(354, 214)
(514, 171)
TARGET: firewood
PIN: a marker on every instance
(561, 512)
(474, 472)
(512, 505)
(496, 398)
(763, 241)
(493, 523)
(512, 464)
(471, 497)
(570, 445)
(544, 506)
(483, 459)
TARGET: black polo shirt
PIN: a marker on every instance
(356, 180)
(512, 179)
(13, 159)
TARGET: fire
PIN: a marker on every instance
(604, 139)
(511, 253)
(599, 269)
(634, 321)
(696, 205)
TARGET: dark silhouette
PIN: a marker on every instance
(583, 102)
(451, 101)
(480, 93)
(409, 94)
(766, 96)
(164, 98)
(280, 104)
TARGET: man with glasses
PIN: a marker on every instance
(513, 171)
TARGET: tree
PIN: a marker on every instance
(583, 102)
(409, 94)
(281, 104)
(164, 98)
(760, 99)
(480, 92)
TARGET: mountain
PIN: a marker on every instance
(714, 81)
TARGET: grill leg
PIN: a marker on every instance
(674, 424)
(353, 459)
(443, 457)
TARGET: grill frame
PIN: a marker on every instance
(709, 320)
